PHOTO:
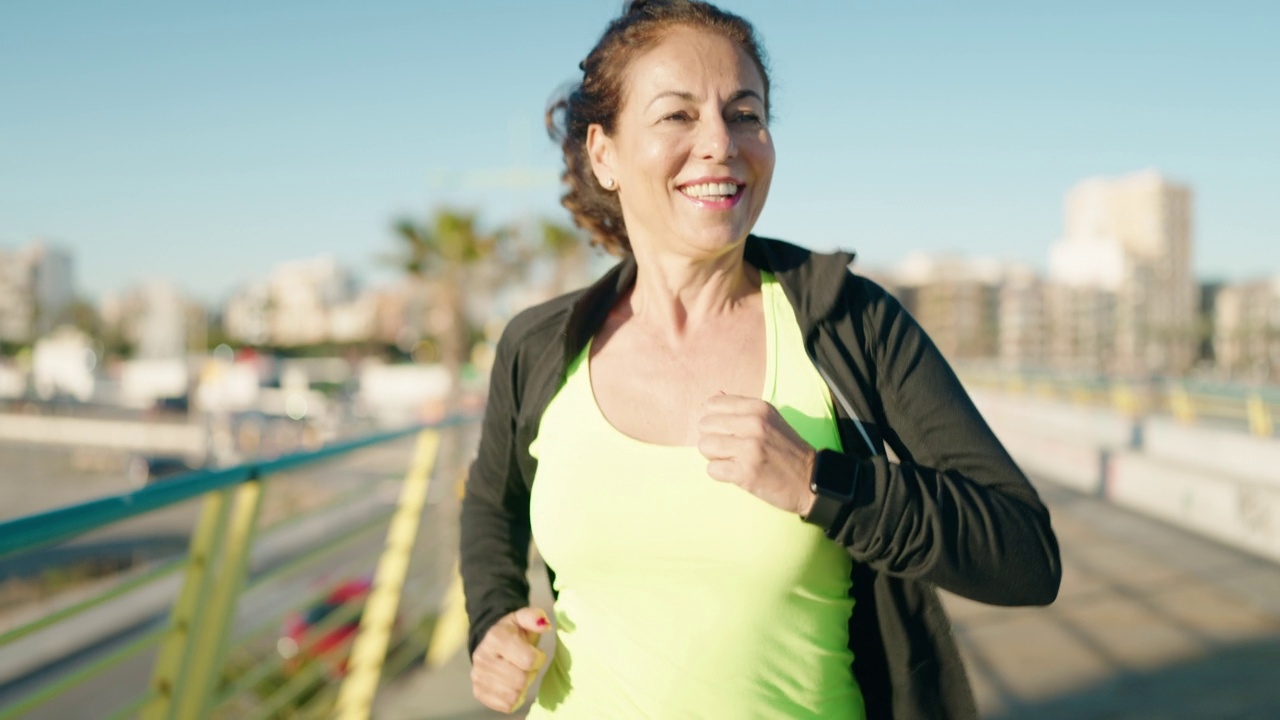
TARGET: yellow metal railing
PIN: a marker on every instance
(1254, 409)
(370, 649)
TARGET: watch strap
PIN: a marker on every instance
(830, 508)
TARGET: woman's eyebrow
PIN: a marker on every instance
(689, 97)
(683, 95)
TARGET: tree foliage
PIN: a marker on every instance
(450, 261)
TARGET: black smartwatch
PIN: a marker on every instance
(834, 492)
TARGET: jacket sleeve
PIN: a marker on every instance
(495, 534)
(956, 511)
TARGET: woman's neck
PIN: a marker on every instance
(675, 295)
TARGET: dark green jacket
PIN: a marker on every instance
(953, 512)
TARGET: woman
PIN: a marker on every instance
(707, 427)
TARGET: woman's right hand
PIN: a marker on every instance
(507, 660)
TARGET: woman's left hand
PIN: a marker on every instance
(750, 445)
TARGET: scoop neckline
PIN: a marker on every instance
(768, 287)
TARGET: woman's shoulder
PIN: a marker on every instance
(540, 322)
(820, 279)
(548, 323)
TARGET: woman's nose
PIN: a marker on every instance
(715, 142)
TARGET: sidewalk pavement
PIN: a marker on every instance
(440, 694)
(1152, 622)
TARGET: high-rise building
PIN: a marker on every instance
(17, 301)
(36, 288)
(1127, 250)
(303, 302)
(154, 320)
(54, 285)
(956, 300)
(246, 317)
(302, 294)
(1246, 340)
(1079, 327)
(1021, 326)
(162, 330)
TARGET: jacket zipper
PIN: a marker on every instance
(840, 398)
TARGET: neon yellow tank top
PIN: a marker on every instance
(680, 596)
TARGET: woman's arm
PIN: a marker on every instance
(956, 511)
(494, 552)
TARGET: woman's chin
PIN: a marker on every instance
(714, 241)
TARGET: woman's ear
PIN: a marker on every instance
(600, 150)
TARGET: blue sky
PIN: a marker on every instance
(206, 143)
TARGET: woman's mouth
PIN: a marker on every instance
(714, 195)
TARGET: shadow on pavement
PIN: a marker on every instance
(1233, 682)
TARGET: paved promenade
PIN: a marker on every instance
(1152, 622)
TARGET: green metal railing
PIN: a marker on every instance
(191, 676)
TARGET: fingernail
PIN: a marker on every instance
(542, 622)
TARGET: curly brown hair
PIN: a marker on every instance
(598, 97)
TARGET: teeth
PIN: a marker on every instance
(724, 189)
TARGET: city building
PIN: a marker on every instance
(1021, 325)
(162, 330)
(303, 302)
(1246, 331)
(37, 287)
(303, 293)
(1126, 251)
(154, 320)
(354, 321)
(245, 318)
(956, 300)
(1079, 328)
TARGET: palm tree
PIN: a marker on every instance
(442, 254)
(568, 250)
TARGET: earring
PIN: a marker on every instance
(609, 183)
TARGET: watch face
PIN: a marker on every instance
(836, 485)
(833, 484)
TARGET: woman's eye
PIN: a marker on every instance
(681, 116)
(746, 117)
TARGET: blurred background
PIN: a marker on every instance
(235, 233)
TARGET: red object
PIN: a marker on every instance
(300, 644)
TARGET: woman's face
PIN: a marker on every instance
(691, 152)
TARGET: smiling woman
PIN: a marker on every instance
(690, 155)
(707, 427)
(661, 98)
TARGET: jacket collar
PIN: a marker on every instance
(812, 282)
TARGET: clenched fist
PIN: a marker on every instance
(750, 445)
(507, 660)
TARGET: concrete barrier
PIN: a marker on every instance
(1237, 511)
(1228, 452)
(1055, 456)
(1067, 444)
(1099, 426)
(1222, 484)
(160, 438)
